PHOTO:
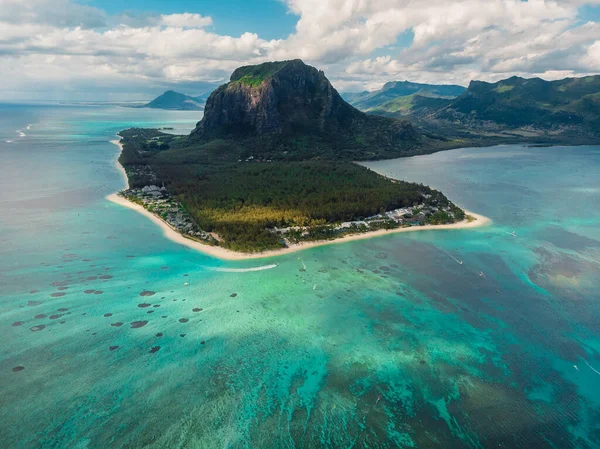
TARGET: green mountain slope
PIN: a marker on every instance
(518, 102)
(397, 96)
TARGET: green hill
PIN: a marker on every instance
(177, 101)
(566, 110)
(399, 96)
(517, 102)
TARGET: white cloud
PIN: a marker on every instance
(62, 43)
(186, 20)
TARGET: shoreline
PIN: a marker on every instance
(118, 164)
(227, 254)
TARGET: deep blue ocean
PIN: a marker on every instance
(112, 336)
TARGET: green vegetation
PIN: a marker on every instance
(254, 75)
(273, 164)
(240, 201)
(503, 88)
(514, 110)
(396, 96)
(518, 102)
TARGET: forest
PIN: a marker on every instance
(240, 201)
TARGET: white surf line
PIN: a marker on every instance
(242, 270)
(591, 367)
(29, 126)
(510, 233)
(9, 141)
(21, 133)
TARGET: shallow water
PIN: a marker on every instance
(113, 336)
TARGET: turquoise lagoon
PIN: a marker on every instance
(114, 337)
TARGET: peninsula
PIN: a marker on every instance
(269, 169)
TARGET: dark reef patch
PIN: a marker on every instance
(183, 320)
(138, 324)
(112, 348)
(37, 328)
(117, 324)
(17, 323)
(147, 293)
(16, 369)
(144, 305)
(154, 349)
(197, 309)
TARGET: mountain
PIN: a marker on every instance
(290, 110)
(401, 96)
(177, 101)
(518, 102)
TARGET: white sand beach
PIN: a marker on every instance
(117, 164)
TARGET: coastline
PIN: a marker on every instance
(227, 254)
(118, 143)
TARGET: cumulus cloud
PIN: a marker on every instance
(357, 42)
(186, 20)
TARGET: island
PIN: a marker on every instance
(271, 168)
(176, 101)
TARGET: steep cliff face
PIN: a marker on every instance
(290, 110)
(276, 97)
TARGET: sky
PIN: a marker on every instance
(108, 50)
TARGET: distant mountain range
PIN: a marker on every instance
(517, 102)
(178, 101)
(566, 111)
(400, 97)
